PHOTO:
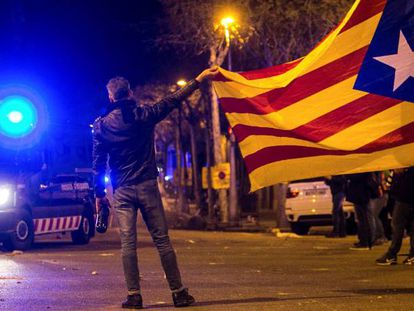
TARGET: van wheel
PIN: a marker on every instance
(83, 234)
(300, 228)
(23, 236)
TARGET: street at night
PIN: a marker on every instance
(270, 141)
(224, 271)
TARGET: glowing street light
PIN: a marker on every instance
(226, 22)
(181, 83)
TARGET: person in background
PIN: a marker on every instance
(337, 186)
(376, 204)
(124, 139)
(386, 212)
(358, 193)
(402, 190)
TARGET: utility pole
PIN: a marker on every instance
(233, 211)
(217, 56)
(222, 193)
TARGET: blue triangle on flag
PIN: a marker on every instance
(391, 76)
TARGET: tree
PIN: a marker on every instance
(180, 129)
(210, 38)
(268, 32)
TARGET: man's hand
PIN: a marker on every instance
(208, 73)
(99, 202)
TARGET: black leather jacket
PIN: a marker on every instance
(126, 134)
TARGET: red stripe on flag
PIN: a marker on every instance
(271, 71)
(302, 87)
(345, 116)
(70, 222)
(243, 131)
(404, 134)
(64, 223)
(36, 224)
(220, 77)
(328, 124)
(280, 153)
(365, 10)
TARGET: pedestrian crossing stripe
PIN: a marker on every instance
(56, 224)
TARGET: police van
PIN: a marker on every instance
(29, 209)
(31, 202)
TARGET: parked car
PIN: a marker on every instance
(63, 205)
(309, 203)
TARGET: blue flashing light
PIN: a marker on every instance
(18, 116)
(15, 116)
(106, 179)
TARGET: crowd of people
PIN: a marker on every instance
(377, 198)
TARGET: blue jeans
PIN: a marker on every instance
(144, 196)
(364, 229)
(374, 210)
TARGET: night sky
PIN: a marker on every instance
(68, 50)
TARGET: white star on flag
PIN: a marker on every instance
(402, 62)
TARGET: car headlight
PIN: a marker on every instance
(5, 195)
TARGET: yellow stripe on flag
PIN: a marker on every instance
(345, 43)
(361, 133)
(302, 111)
(372, 128)
(234, 90)
(284, 79)
(295, 169)
(254, 143)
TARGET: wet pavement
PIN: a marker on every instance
(224, 271)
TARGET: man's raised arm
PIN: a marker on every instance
(156, 113)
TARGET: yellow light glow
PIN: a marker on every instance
(181, 83)
(227, 21)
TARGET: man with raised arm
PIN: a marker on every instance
(124, 137)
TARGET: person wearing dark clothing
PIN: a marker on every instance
(376, 204)
(124, 139)
(386, 212)
(358, 193)
(402, 190)
(337, 186)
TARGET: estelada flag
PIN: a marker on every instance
(346, 107)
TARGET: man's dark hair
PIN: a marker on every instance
(119, 88)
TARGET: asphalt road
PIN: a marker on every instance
(224, 271)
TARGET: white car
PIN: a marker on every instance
(309, 203)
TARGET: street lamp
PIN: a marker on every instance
(181, 83)
(226, 22)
